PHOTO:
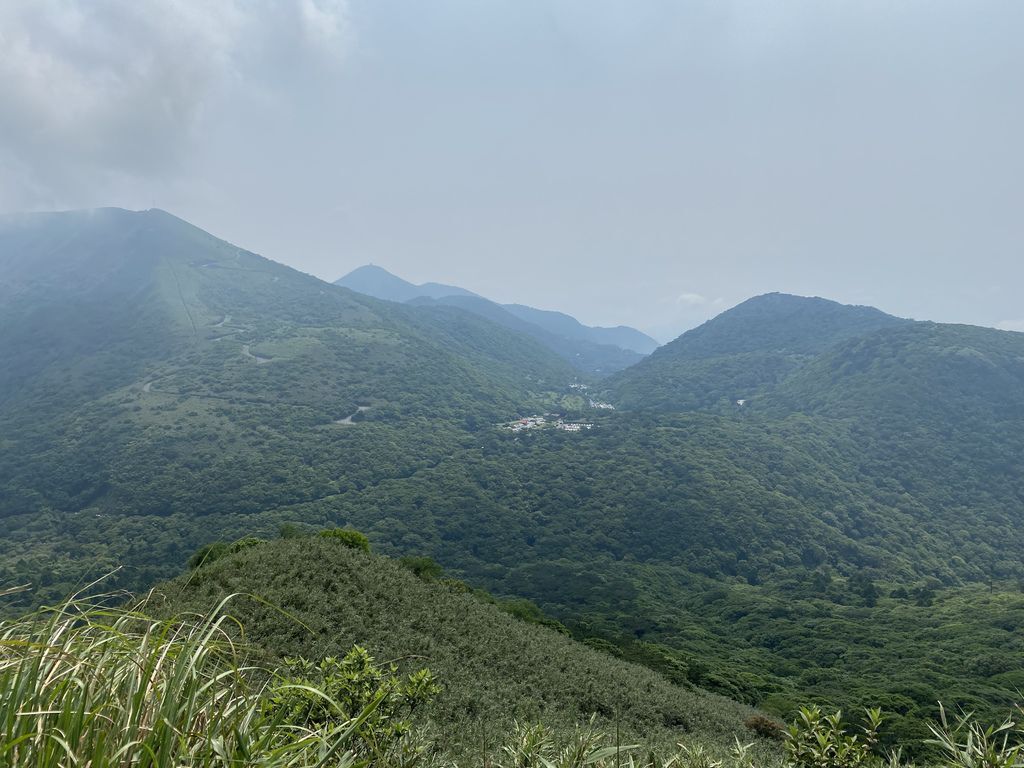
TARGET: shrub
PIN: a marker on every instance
(765, 727)
(337, 690)
(247, 543)
(218, 549)
(528, 611)
(966, 743)
(821, 741)
(424, 567)
(350, 538)
(208, 553)
(291, 531)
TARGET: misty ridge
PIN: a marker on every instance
(534, 385)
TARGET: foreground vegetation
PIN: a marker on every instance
(86, 684)
(498, 662)
(89, 684)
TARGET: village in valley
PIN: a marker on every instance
(557, 421)
(546, 421)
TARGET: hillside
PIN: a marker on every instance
(156, 370)
(742, 353)
(916, 371)
(103, 293)
(494, 668)
(592, 350)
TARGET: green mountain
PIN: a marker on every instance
(160, 378)
(742, 353)
(592, 350)
(134, 289)
(315, 597)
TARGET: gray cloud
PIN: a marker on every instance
(114, 91)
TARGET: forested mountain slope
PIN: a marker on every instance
(919, 372)
(742, 352)
(494, 669)
(154, 370)
(81, 284)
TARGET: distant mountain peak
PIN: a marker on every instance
(594, 349)
(776, 300)
(376, 281)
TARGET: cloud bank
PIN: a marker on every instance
(107, 91)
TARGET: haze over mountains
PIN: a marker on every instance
(591, 349)
(781, 504)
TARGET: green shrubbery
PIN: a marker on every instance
(318, 694)
(218, 549)
(348, 537)
(425, 568)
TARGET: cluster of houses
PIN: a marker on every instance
(551, 420)
(530, 422)
(542, 422)
(573, 426)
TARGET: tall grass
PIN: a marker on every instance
(84, 684)
(91, 685)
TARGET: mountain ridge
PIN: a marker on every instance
(558, 330)
(378, 282)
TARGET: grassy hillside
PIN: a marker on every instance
(494, 668)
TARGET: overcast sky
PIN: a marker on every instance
(641, 162)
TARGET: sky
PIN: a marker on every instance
(644, 162)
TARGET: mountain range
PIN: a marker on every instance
(593, 350)
(798, 501)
